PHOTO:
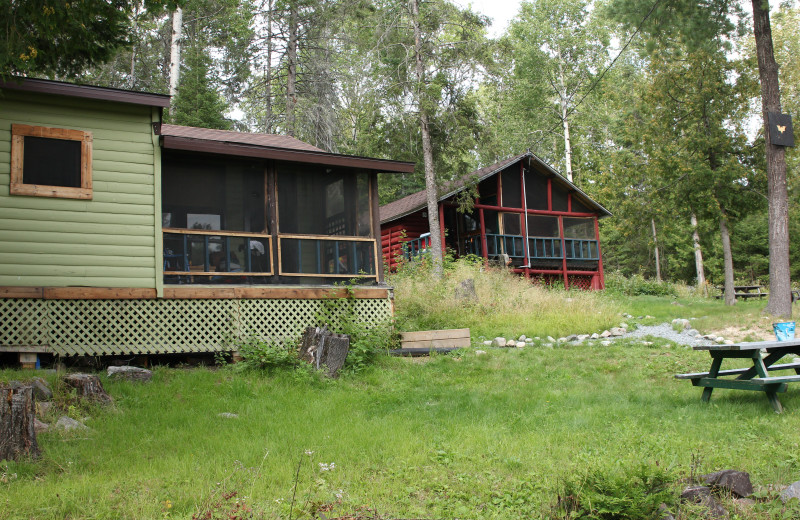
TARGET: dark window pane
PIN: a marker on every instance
(52, 162)
(213, 194)
(512, 224)
(314, 200)
(512, 188)
(331, 257)
(559, 198)
(487, 190)
(579, 207)
(491, 221)
(535, 190)
(579, 228)
(543, 226)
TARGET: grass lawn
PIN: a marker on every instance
(497, 435)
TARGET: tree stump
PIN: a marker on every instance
(17, 422)
(324, 349)
(88, 387)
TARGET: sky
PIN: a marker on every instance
(500, 11)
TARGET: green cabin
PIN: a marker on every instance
(121, 235)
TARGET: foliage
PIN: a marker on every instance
(504, 304)
(616, 493)
(265, 354)
(63, 38)
(637, 285)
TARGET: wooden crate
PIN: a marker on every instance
(435, 339)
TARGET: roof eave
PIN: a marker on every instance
(86, 92)
(285, 154)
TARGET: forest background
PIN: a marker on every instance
(663, 131)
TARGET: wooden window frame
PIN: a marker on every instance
(342, 238)
(18, 186)
(264, 236)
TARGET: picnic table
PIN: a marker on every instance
(755, 377)
(746, 291)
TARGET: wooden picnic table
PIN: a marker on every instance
(746, 291)
(756, 377)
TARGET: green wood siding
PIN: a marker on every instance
(109, 241)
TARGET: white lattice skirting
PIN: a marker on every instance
(158, 326)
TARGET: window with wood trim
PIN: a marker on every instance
(51, 162)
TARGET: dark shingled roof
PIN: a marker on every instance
(231, 136)
(46, 86)
(417, 201)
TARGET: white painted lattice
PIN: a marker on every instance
(113, 327)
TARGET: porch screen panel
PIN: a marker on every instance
(544, 239)
(512, 188)
(579, 207)
(579, 228)
(310, 256)
(487, 190)
(313, 200)
(213, 194)
(560, 202)
(535, 190)
(512, 224)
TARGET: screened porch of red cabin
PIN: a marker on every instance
(526, 216)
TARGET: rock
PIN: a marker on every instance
(488, 343)
(736, 482)
(648, 317)
(571, 337)
(39, 426)
(605, 334)
(130, 373)
(466, 290)
(499, 342)
(793, 491)
(606, 343)
(88, 387)
(582, 337)
(548, 345)
(537, 338)
(617, 331)
(43, 407)
(522, 338)
(68, 424)
(41, 390)
(702, 495)
(529, 341)
(693, 332)
(719, 340)
(728, 342)
(664, 512)
(624, 325)
(551, 339)
(647, 343)
(480, 352)
(562, 340)
(228, 415)
(520, 344)
(595, 336)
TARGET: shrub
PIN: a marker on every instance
(637, 285)
(265, 354)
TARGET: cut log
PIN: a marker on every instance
(324, 349)
(88, 387)
(17, 422)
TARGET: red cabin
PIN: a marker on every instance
(558, 238)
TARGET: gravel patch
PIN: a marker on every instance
(685, 337)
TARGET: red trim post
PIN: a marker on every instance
(563, 251)
(524, 216)
(569, 202)
(483, 235)
(602, 284)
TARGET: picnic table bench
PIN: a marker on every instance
(755, 377)
(745, 291)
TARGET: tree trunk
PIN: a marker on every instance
(17, 418)
(268, 73)
(563, 99)
(730, 293)
(427, 148)
(655, 247)
(698, 257)
(291, 73)
(780, 295)
(175, 56)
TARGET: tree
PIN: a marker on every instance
(702, 24)
(64, 38)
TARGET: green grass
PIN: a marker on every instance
(489, 436)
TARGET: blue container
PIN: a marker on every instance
(784, 331)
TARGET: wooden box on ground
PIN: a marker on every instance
(422, 342)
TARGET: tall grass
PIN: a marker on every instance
(505, 304)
